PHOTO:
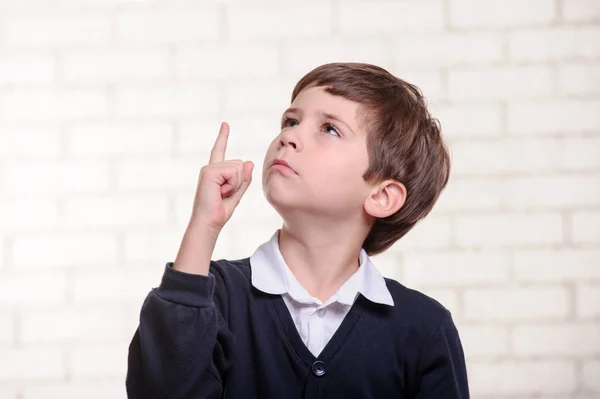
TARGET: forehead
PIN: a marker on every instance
(316, 99)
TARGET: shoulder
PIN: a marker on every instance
(415, 308)
(231, 271)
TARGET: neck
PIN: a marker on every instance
(321, 258)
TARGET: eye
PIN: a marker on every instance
(330, 127)
(288, 122)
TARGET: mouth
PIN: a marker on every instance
(282, 165)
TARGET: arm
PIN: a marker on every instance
(182, 347)
(443, 370)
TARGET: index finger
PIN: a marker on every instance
(218, 152)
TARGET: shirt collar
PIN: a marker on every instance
(271, 274)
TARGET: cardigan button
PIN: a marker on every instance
(318, 368)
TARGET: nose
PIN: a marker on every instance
(291, 138)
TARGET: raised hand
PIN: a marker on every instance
(221, 185)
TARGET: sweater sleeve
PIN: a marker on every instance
(182, 347)
(443, 369)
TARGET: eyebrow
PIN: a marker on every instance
(323, 114)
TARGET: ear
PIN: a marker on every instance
(385, 199)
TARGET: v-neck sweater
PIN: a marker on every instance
(217, 336)
(316, 321)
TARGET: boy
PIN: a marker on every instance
(358, 162)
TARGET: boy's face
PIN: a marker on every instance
(325, 144)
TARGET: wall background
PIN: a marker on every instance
(109, 108)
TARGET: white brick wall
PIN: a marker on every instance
(108, 109)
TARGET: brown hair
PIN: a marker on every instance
(404, 142)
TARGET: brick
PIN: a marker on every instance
(323, 51)
(449, 49)
(522, 377)
(516, 304)
(89, 140)
(532, 192)
(26, 291)
(588, 41)
(71, 325)
(15, 142)
(579, 78)
(483, 341)
(64, 250)
(248, 133)
(27, 68)
(539, 154)
(585, 227)
(152, 246)
(196, 137)
(117, 287)
(4, 257)
(587, 299)
(469, 120)
(182, 100)
(227, 61)
(580, 10)
(117, 65)
(7, 329)
(483, 157)
(31, 5)
(246, 98)
(28, 215)
(57, 30)
(556, 265)
(90, 389)
(505, 83)
(431, 232)
(554, 44)
(275, 21)
(130, 211)
(429, 82)
(56, 178)
(578, 153)
(509, 229)
(95, 5)
(131, 322)
(240, 242)
(455, 268)
(483, 195)
(390, 17)
(497, 13)
(25, 364)
(553, 116)
(590, 372)
(98, 361)
(573, 339)
(389, 265)
(7, 392)
(159, 174)
(52, 105)
(168, 25)
(183, 210)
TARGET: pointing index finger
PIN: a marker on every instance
(218, 152)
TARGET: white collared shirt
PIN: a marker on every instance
(316, 321)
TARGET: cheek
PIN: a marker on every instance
(342, 174)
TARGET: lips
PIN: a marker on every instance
(282, 162)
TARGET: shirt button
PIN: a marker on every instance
(321, 312)
(318, 368)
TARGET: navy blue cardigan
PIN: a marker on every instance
(217, 336)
